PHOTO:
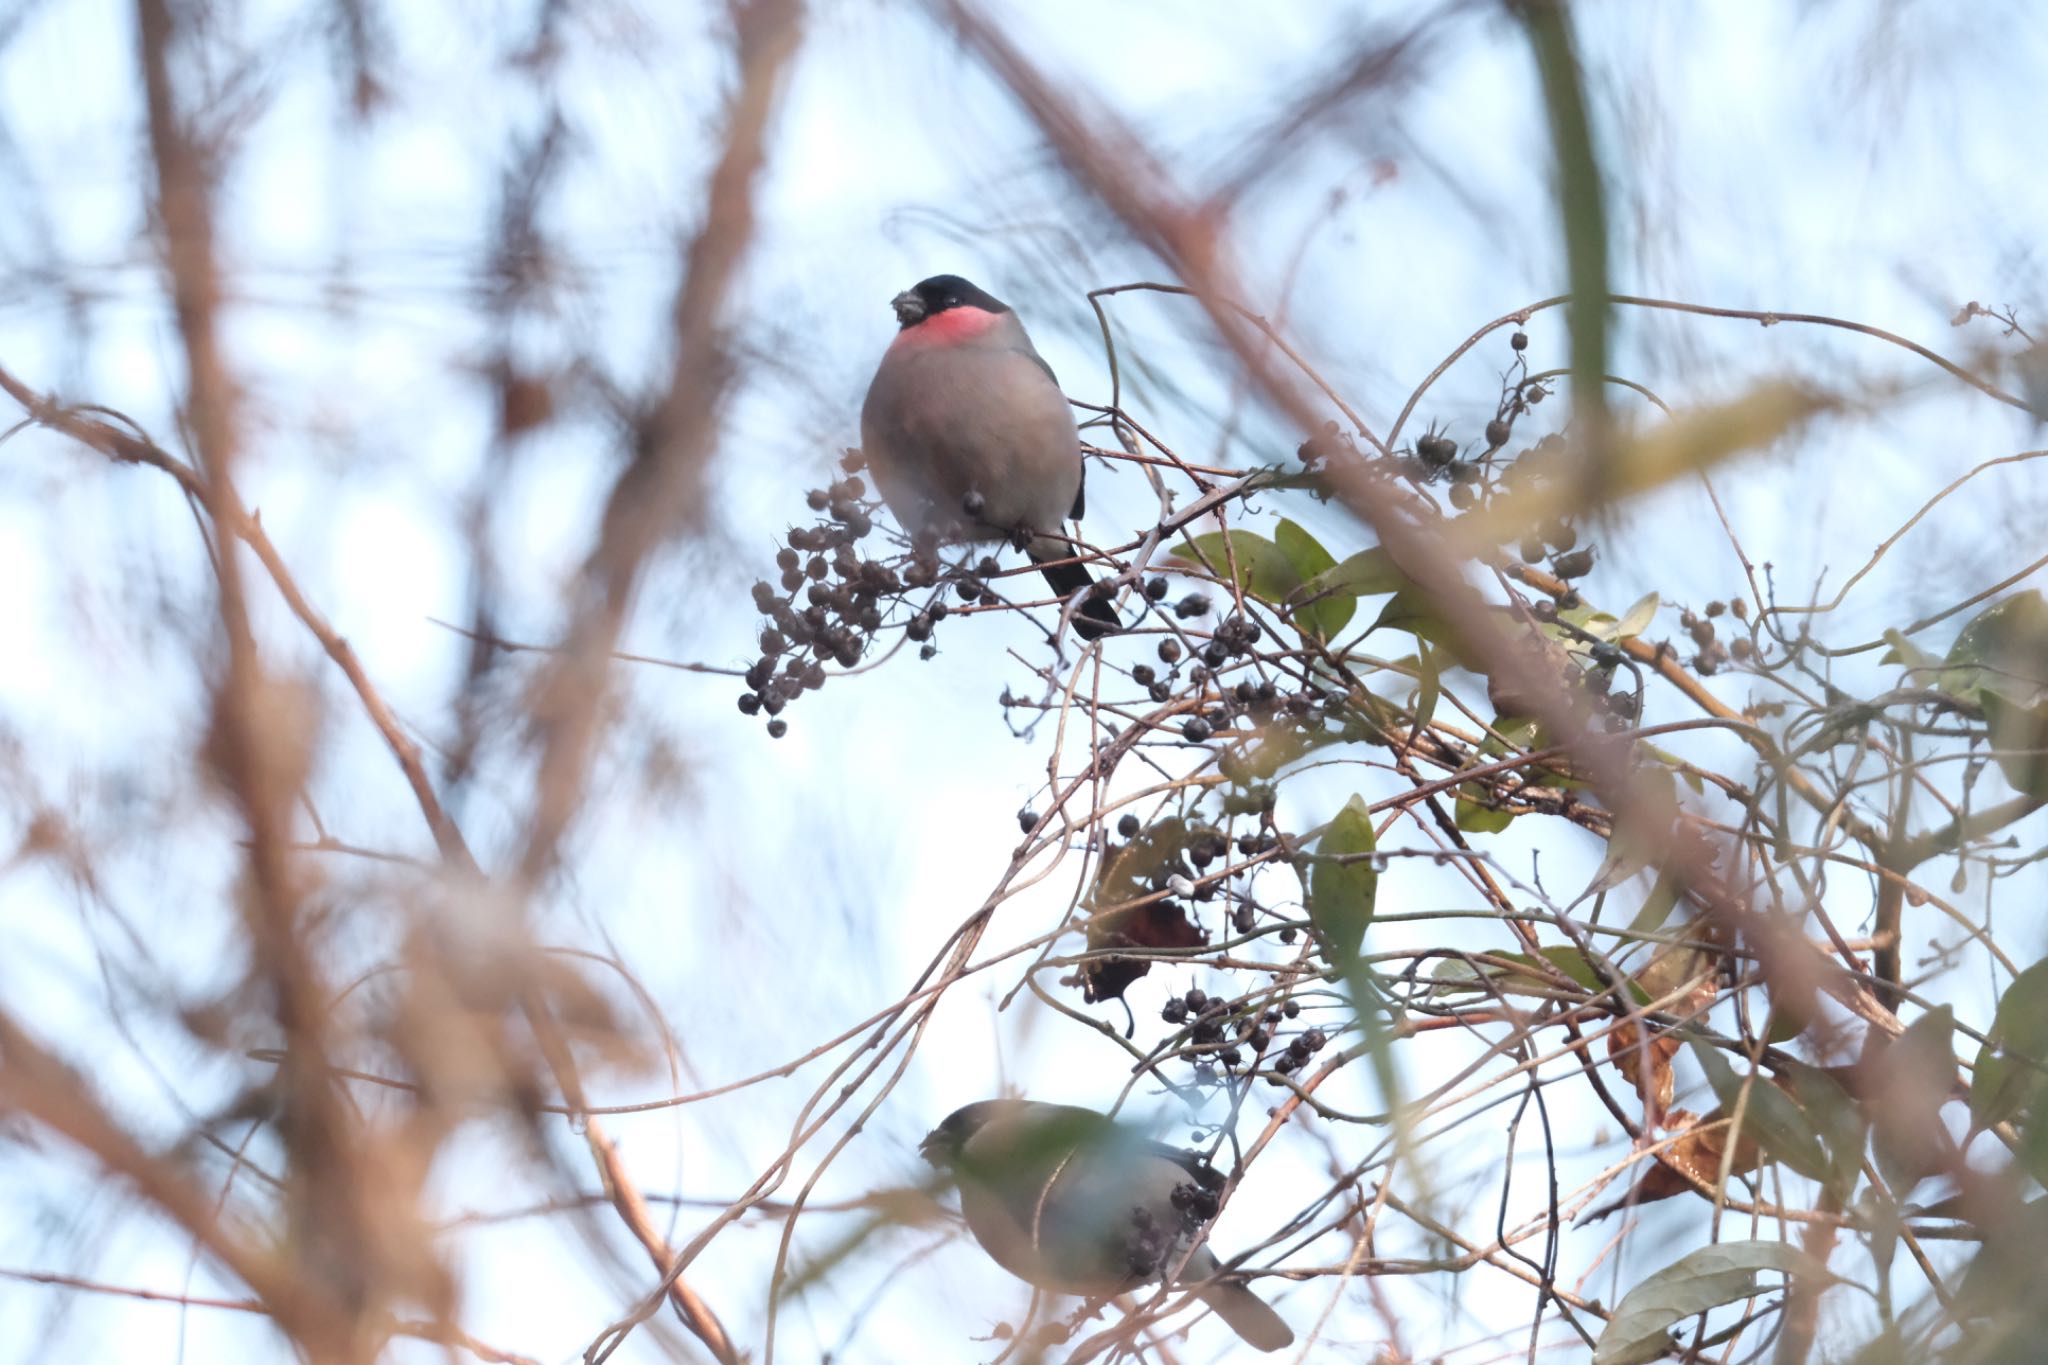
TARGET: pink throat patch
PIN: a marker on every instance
(949, 328)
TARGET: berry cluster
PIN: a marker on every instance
(1220, 1032)
(833, 601)
(831, 604)
(1713, 653)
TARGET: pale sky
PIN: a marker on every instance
(1874, 161)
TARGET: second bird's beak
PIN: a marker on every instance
(909, 308)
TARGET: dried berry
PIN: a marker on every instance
(1575, 564)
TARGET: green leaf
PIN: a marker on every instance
(1904, 651)
(1838, 1119)
(2003, 650)
(1310, 561)
(1573, 964)
(2004, 1084)
(1261, 569)
(1637, 618)
(1657, 906)
(2000, 662)
(1341, 894)
(1704, 1279)
(1914, 1082)
(1365, 574)
(1581, 205)
(1474, 818)
(1686, 773)
(1769, 1115)
(1601, 625)
(1413, 612)
(1430, 685)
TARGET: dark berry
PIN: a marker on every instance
(1196, 730)
(1496, 433)
(1142, 675)
(777, 728)
(1169, 650)
(1027, 819)
(1574, 564)
(1156, 590)
(1128, 827)
(1194, 604)
(1463, 495)
(749, 703)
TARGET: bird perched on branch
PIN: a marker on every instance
(1072, 1202)
(970, 438)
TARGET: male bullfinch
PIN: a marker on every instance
(1074, 1203)
(970, 438)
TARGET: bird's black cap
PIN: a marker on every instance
(939, 293)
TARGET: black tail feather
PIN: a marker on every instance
(1095, 617)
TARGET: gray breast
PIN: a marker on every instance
(942, 422)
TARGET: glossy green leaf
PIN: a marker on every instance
(1411, 611)
(1904, 651)
(2004, 1081)
(1637, 618)
(1769, 1115)
(1474, 818)
(1341, 894)
(1914, 1082)
(1657, 906)
(1365, 574)
(1324, 617)
(1707, 1278)
(1838, 1119)
(1259, 566)
(2000, 661)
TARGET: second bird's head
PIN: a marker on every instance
(940, 294)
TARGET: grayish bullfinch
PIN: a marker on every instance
(970, 438)
(1072, 1202)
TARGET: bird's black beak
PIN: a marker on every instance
(933, 1149)
(909, 312)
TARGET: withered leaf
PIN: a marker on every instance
(1157, 924)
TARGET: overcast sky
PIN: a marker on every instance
(1878, 161)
